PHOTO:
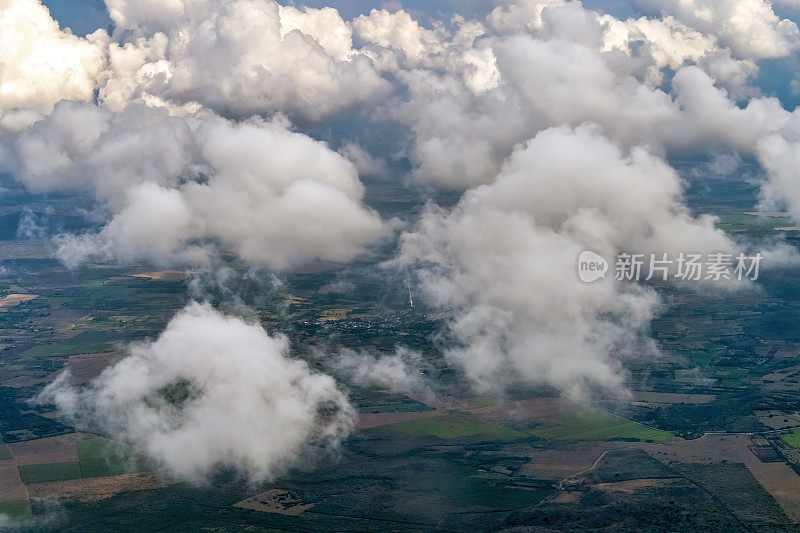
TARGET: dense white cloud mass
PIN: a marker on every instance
(397, 43)
(555, 63)
(179, 189)
(237, 58)
(325, 25)
(749, 27)
(781, 159)
(39, 63)
(476, 91)
(212, 391)
(671, 42)
(710, 120)
(461, 137)
(505, 260)
(650, 42)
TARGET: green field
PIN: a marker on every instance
(792, 439)
(741, 221)
(597, 425)
(483, 402)
(371, 401)
(576, 425)
(89, 341)
(731, 373)
(49, 472)
(17, 511)
(100, 457)
(93, 448)
(735, 486)
(623, 465)
(451, 427)
(5, 454)
(97, 457)
(91, 284)
(66, 348)
(503, 497)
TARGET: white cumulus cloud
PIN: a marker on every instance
(212, 391)
(504, 260)
(40, 63)
(178, 190)
(237, 58)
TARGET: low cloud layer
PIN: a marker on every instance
(610, 72)
(504, 261)
(678, 80)
(212, 391)
(466, 90)
(404, 371)
(781, 159)
(179, 190)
